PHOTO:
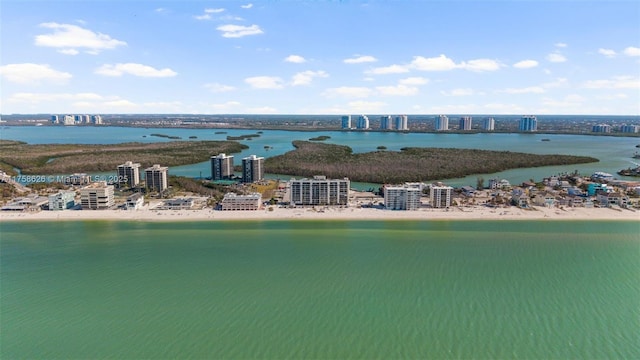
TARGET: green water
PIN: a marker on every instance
(320, 289)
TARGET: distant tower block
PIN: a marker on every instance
(221, 167)
(346, 122)
(363, 122)
(465, 123)
(489, 124)
(528, 123)
(385, 123)
(156, 178)
(402, 122)
(252, 169)
(442, 123)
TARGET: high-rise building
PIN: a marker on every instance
(402, 197)
(601, 128)
(630, 128)
(402, 122)
(489, 124)
(129, 173)
(96, 119)
(346, 122)
(528, 123)
(385, 122)
(363, 122)
(97, 196)
(465, 123)
(252, 169)
(55, 119)
(68, 120)
(77, 119)
(319, 191)
(221, 167)
(441, 196)
(442, 123)
(155, 178)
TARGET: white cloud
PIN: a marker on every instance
(440, 63)
(213, 11)
(561, 45)
(297, 59)
(225, 106)
(348, 91)
(305, 77)
(133, 69)
(526, 90)
(203, 17)
(366, 106)
(632, 51)
(262, 110)
(398, 90)
(525, 64)
(236, 31)
(207, 14)
(33, 74)
(556, 58)
(69, 38)
(569, 101)
(360, 59)
(479, 65)
(557, 83)
(56, 97)
(248, 6)
(607, 52)
(391, 69)
(416, 80)
(71, 52)
(458, 92)
(265, 82)
(618, 82)
(218, 88)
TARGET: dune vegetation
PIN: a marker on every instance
(47, 159)
(409, 164)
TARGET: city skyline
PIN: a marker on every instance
(414, 57)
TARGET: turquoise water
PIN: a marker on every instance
(614, 153)
(320, 289)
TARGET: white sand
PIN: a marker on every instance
(467, 213)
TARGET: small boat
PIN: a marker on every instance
(545, 139)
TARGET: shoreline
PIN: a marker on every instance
(333, 214)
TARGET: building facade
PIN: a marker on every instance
(630, 128)
(232, 201)
(363, 122)
(402, 122)
(489, 124)
(134, 202)
(601, 128)
(402, 198)
(465, 123)
(62, 200)
(97, 196)
(441, 196)
(252, 169)
(129, 173)
(386, 123)
(156, 178)
(319, 191)
(442, 123)
(528, 123)
(346, 122)
(221, 167)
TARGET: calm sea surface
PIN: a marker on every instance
(614, 153)
(320, 289)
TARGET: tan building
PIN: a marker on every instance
(129, 173)
(441, 196)
(156, 178)
(221, 167)
(97, 196)
(402, 198)
(232, 201)
(319, 191)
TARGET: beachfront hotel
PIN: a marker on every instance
(441, 196)
(232, 201)
(346, 122)
(402, 197)
(221, 167)
(252, 169)
(442, 123)
(319, 191)
(129, 173)
(528, 123)
(97, 196)
(465, 123)
(155, 178)
(62, 200)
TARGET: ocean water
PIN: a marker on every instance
(320, 289)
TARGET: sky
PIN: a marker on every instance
(320, 57)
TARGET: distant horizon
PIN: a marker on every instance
(316, 115)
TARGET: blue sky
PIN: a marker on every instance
(320, 57)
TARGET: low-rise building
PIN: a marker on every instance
(232, 201)
(402, 198)
(544, 198)
(177, 204)
(134, 202)
(62, 200)
(97, 196)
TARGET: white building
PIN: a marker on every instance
(232, 201)
(346, 122)
(442, 123)
(363, 122)
(402, 197)
(62, 200)
(135, 202)
(221, 167)
(252, 169)
(129, 173)
(441, 196)
(68, 120)
(97, 196)
(402, 122)
(386, 123)
(630, 128)
(96, 119)
(489, 124)
(156, 178)
(319, 191)
(55, 119)
(528, 123)
(601, 128)
(465, 123)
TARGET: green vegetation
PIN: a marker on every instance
(66, 159)
(167, 136)
(409, 164)
(320, 138)
(381, 147)
(242, 137)
(193, 137)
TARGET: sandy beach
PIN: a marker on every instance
(467, 213)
